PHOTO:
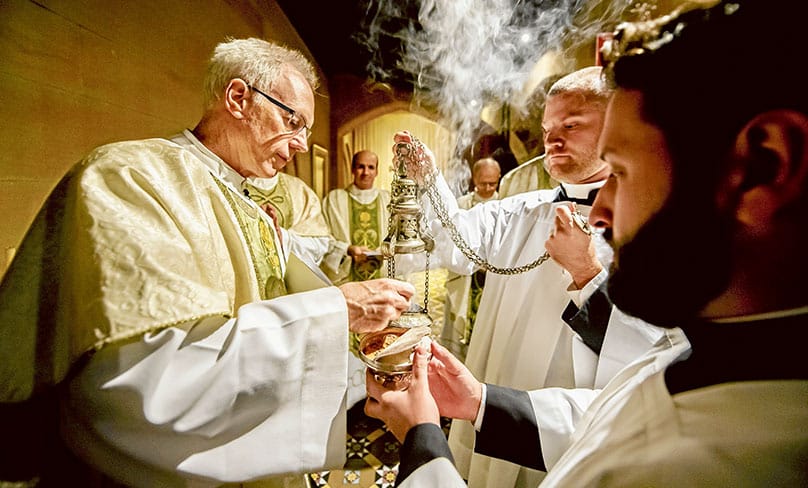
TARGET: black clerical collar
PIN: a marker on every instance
(724, 352)
(582, 194)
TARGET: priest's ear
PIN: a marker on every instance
(771, 169)
(236, 97)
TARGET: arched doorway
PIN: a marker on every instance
(374, 132)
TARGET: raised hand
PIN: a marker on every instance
(572, 248)
(418, 159)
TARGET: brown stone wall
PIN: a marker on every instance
(77, 74)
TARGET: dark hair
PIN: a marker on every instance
(705, 73)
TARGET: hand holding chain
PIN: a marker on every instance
(420, 163)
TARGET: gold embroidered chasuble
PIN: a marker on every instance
(526, 177)
(260, 239)
(154, 237)
(354, 217)
(118, 250)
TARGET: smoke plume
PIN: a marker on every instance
(464, 55)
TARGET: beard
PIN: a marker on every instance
(675, 264)
(578, 167)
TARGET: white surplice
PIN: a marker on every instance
(634, 433)
(520, 339)
(758, 439)
(458, 289)
(737, 416)
(195, 378)
(596, 416)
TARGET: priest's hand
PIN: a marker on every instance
(403, 409)
(358, 253)
(420, 162)
(373, 304)
(272, 212)
(572, 248)
(456, 391)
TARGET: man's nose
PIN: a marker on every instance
(600, 216)
(300, 142)
(553, 138)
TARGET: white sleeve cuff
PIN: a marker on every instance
(478, 422)
(578, 297)
(336, 253)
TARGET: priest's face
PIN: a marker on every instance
(486, 180)
(274, 134)
(571, 125)
(671, 245)
(365, 170)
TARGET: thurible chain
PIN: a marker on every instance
(457, 238)
(443, 215)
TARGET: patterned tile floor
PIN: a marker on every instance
(371, 455)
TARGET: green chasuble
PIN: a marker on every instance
(278, 197)
(296, 205)
(364, 232)
(261, 243)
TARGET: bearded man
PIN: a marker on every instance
(684, 153)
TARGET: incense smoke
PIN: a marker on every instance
(463, 55)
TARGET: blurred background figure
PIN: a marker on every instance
(296, 211)
(357, 221)
(485, 175)
(463, 292)
(528, 176)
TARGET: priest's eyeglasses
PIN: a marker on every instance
(297, 123)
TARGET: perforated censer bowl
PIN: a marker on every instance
(393, 371)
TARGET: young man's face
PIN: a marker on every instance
(671, 243)
(571, 126)
(640, 169)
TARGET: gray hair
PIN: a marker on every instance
(589, 82)
(257, 61)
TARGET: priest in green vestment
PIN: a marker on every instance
(357, 218)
